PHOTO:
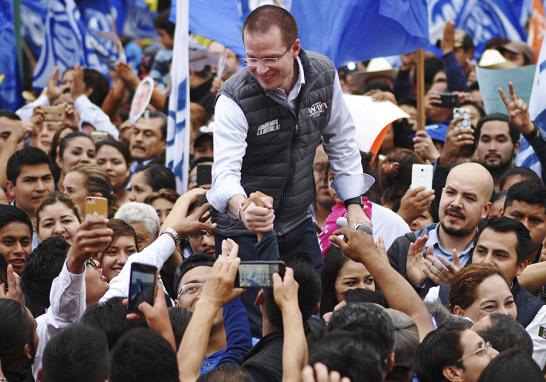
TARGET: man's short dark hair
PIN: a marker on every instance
(263, 18)
(78, 353)
(162, 21)
(523, 172)
(158, 177)
(529, 192)
(43, 265)
(512, 130)
(440, 348)
(371, 321)
(95, 80)
(9, 115)
(29, 156)
(512, 365)
(153, 114)
(16, 330)
(111, 318)
(195, 260)
(143, 355)
(504, 224)
(347, 354)
(506, 333)
(308, 292)
(10, 214)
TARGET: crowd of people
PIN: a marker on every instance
(383, 281)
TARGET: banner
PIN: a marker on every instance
(344, 31)
(178, 127)
(482, 19)
(10, 82)
(33, 24)
(537, 108)
(134, 19)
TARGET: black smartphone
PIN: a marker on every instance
(141, 285)
(258, 274)
(204, 174)
(448, 100)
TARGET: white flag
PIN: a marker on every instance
(178, 128)
(537, 108)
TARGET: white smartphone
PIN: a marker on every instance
(421, 176)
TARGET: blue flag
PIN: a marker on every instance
(134, 19)
(537, 108)
(10, 82)
(482, 19)
(351, 30)
(361, 29)
(178, 126)
(33, 23)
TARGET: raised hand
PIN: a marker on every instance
(91, 239)
(53, 88)
(13, 290)
(196, 222)
(257, 213)
(78, 85)
(440, 270)
(319, 373)
(456, 139)
(517, 111)
(415, 262)
(448, 39)
(285, 290)
(424, 147)
(415, 202)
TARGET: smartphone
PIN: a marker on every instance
(463, 113)
(204, 174)
(98, 136)
(421, 176)
(96, 204)
(447, 100)
(53, 113)
(141, 285)
(258, 274)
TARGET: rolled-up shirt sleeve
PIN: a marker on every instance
(230, 131)
(343, 154)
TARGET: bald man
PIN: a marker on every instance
(465, 201)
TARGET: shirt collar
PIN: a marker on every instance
(435, 241)
(295, 91)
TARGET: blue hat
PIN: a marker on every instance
(437, 132)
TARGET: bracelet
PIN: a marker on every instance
(534, 133)
(173, 234)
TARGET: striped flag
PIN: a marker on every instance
(537, 108)
(178, 129)
(536, 27)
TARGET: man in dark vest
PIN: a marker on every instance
(269, 119)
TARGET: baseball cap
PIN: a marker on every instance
(203, 131)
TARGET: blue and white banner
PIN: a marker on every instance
(33, 24)
(10, 82)
(537, 108)
(134, 19)
(178, 127)
(342, 30)
(482, 19)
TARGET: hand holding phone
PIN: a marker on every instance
(258, 274)
(421, 176)
(142, 284)
(96, 205)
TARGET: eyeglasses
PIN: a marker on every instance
(190, 289)
(92, 264)
(266, 61)
(484, 348)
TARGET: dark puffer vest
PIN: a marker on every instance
(281, 141)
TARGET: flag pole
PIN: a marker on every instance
(421, 117)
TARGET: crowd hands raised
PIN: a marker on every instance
(445, 284)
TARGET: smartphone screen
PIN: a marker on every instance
(259, 274)
(204, 174)
(141, 285)
(421, 176)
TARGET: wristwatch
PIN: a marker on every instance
(172, 233)
(355, 200)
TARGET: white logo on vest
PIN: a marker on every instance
(317, 109)
(268, 127)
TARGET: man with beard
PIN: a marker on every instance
(497, 144)
(464, 202)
